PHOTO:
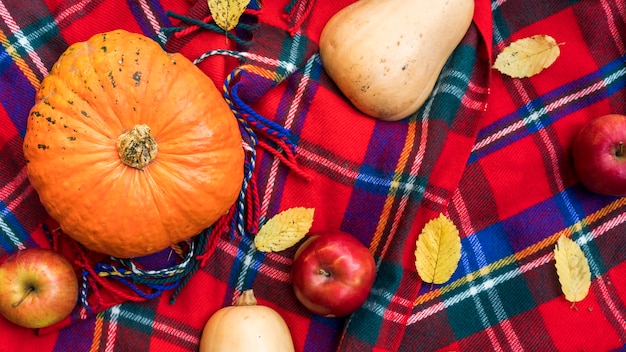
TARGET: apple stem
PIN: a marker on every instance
(324, 272)
(620, 151)
(28, 292)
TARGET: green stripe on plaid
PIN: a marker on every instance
(37, 42)
(373, 312)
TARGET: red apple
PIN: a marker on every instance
(333, 273)
(599, 154)
(38, 288)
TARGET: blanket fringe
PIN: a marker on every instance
(207, 23)
(243, 217)
(296, 12)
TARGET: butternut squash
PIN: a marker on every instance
(386, 55)
(246, 326)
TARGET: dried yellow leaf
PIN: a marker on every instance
(226, 13)
(573, 269)
(284, 230)
(438, 250)
(528, 56)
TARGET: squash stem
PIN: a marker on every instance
(136, 147)
(246, 299)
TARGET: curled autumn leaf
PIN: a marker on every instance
(573, 269)
(528, 56)
(284, 230)
(226, 13)
(438, 250)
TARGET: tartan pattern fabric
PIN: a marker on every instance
(490, 152)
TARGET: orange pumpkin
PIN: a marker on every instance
(132, 149)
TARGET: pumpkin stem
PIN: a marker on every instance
(137, 148)
(246, 299)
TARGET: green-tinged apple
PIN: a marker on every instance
(38, 288)
(333, 273)
(599, 155)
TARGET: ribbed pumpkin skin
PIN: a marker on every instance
(100, 89)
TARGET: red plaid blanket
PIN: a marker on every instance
(489, 151)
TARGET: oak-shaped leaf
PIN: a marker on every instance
(284, 229)
(527, 57)
(572, 268)
(438, 250)
(226, 13)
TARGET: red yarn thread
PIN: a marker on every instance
(219, 228)
(289, 163)
(252, 205)
(192, 28)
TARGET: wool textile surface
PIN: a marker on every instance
(491, 152)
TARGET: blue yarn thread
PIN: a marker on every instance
(250, 141)
(176, 277)
(84, 289)
(157, 281)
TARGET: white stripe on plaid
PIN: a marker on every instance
(153, 21)
(615, 34)
(547, 145)
(5, 193)
(266, 199)
(407, 187)
(112, 331)
(171, 331)
(4, 227)
(549, 107)
(23, 40)
(494, 298)
(470, 291)
(278, 275)
(71, 10)
(619, 316)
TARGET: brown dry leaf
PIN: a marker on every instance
(226, 13)
(528, 56)
(438, 250)
(284, 230)
(573, 269)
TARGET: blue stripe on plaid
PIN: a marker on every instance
(311, 72)
(143, 20)
(244, 267)
(486, 247)
(248, 260)
(78, 338)
(551, 107)
(12, 233)
(137, 12)
(534, 222)
(14, 94)
(5, 59)
(161, 13)
(321, 335)
(475, 288)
